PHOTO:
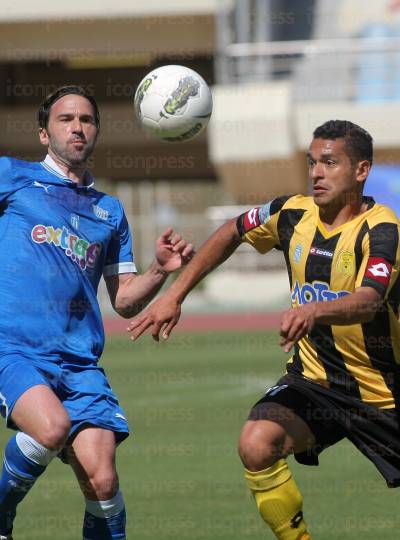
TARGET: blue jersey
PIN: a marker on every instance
(57, 238)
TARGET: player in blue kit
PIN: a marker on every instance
(58, 236)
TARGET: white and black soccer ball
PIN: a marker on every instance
(174, 103)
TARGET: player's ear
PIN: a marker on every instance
(43, 136)
(362, 171)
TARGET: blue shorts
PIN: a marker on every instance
(83, 390)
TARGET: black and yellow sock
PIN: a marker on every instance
(279, 501)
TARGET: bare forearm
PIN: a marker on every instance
(138, 291)
(356, 308)
(211, 254)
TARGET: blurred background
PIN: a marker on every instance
(277, 68)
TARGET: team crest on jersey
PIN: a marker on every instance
(80, 251)
(297, 253)
(75, 221)
(346, 263)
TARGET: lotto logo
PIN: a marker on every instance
(379, 270)
(296, 520)
(321, 252)
(251, 219)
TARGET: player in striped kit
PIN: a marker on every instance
(342, 254)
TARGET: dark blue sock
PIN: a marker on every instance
(18, 476)
(105, 520)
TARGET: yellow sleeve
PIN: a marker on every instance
(259, 226)
(380, 253)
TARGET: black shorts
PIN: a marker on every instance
(333, 416)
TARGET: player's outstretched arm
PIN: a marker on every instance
(164, 313)
(130, 293)
(358, 307)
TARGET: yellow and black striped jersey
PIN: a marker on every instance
(362, 360)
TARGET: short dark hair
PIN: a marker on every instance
(357, 140)
(45, 106)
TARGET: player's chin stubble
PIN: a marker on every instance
(73, 157)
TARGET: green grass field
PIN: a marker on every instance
(186, 400)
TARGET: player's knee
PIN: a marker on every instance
(56, 433)
(259, 452)
(256, 457)
(103, 485)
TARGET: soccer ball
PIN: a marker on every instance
(173, 103)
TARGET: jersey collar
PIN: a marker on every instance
(52, 167)
(332, 232)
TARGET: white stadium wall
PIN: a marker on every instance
(259, 135)
(25, 10)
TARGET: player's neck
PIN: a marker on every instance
(333, 216)
(75, 173)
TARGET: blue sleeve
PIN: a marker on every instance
(8, 178)
(119, 258)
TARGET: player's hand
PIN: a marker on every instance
(172, 251)
(295, 324)
(161, 316)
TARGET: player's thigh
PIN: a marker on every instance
(39, 413)
(272, 432)
(27, 400)
(92, 457)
